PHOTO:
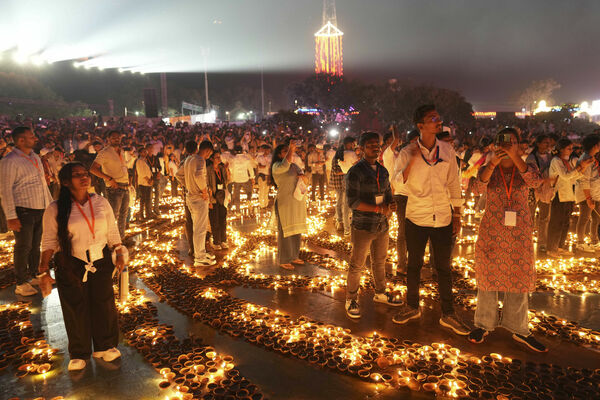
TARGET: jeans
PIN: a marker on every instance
(401, 238)
(199, 210)
(584, 217)
(247, 186)
(218, 223)
(441, 241)
(88, 308)
(288, 248)
(342, 211)
(145, 200)
(542, 220)
(27, 244)
(558, 227)
(189, 228)
(119, 201)
(318, 179)
(514, 312)
(159, 187)
(362, 242)
(263, 192)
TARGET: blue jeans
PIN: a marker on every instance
(514, 312)
(119, 201)
(27, 244)
(342, 211)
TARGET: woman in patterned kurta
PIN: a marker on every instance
(504, 258)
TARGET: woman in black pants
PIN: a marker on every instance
(216, 182)
(80, 230)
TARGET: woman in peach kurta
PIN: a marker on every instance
(504, 259)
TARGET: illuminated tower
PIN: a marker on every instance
(328, 43)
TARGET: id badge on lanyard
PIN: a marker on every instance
(510, 216)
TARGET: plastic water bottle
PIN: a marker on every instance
(124, 289)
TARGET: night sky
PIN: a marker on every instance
(488, 50)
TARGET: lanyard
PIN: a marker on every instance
(93, 224)
(218, 172)
(512, 179)
(35, 164)
(567, 165)
(437, 158)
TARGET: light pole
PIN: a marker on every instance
(227, 114)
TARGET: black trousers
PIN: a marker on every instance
(27, 244)
(318, 179)
(441, 241)
(558, 227)
(88, 308)
(145, 200)
(218, 223)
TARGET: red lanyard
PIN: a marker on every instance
(567, 165)
(35, 164)
(378, 188)
(93, 224)
(437, 158)
(512, 179)
(218, 172)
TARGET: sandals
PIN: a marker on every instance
(287, 266)
(298, 261)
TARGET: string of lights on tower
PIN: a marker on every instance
(328, 43)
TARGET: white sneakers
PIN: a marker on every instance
(588, 248)
(107, 355)
(76, 364)
(25, 289)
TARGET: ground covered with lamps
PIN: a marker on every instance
(250, 330)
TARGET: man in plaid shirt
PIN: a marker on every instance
(369, 195)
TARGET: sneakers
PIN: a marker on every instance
(298, 261)
(76, 364)
(477, 335)
(406, 314)
(209, 256)
(531, 342)
(25, 289)
(564, 252)
(586, 248)
(204, 262)
(107, 355)
(346, 233)
(388, 298)
(352, 309)
(451, 321)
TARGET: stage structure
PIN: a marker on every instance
(328, 43)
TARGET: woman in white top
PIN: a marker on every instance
(80, 230)
(564, 170)
(587, 194)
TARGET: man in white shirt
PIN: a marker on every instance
(345, 157)
(197, 199)
(264, 165)
(242, 176)
(430, 173)
(144, 181)
(316, 163)
(24, 194)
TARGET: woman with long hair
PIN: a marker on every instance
(566, 172)
(80, 230)
(216, 181)
(504, 258)
(290, 212)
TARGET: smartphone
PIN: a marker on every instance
(503, 138)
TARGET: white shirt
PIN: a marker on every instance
(590, 179)
(143, 172)
(432, 189)
(328, 157)
(350, 158)
(194, 174)
(391, 161)
(105, 227)
(566, 178)
(264, 160)
(113, 164)
(22, 183)
(241, 168)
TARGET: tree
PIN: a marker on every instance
(537, 91)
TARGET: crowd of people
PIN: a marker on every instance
(67, 188)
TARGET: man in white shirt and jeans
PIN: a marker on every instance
(197, 199)
(25, 196)
(430, 173)
(242, 176)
